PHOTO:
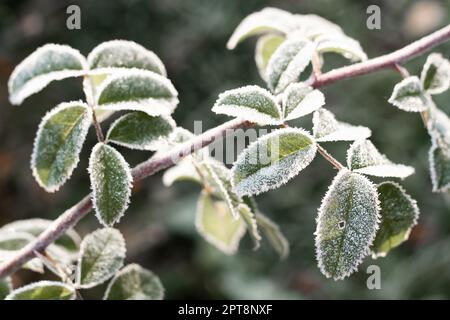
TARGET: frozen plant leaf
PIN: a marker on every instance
(346, 224)
(340, 44)
(251, 222)
(327, 128)
(48, 63)
(101, 256)
(300, 100)
(43, 290)
(265, 47)
(273, 233)
(288, 62)
(272, 160)
(268, 20)
(138, 130)
(117, 54)
(251, 103)
(138, 90)
(58, 142)
(111, 183)
(409, 95)
(134, 283)
(5, 287)
(364, 157)
(312, 26)
(399, 213)
(183, 171)
(216, 224)
(435, 74)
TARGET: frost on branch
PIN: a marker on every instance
(43, 290)
(58, 143)
(300, 100)
(265, 47)
(435, 74)
(346, 224)
(399, 213)
(327, 128)
(101, 256)
(364, 157)
(11, 242)
(48, 63)
(250, 103)
(111, 182)
(409, 95)
(272, 160)
(5, 287)
(341, 44)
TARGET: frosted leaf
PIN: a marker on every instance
(327, 128)
(215, 223)
(288, 62)
(352, 199)
(137, 90)
(268, 20)
(364, 157)
(43, 290)
(409, 95)
(101, 255)
(399, 213)
(272, 231)
(111, 183)
(300, 100)
(183, 171)
(134, 283)
(5, 287)
(251, 103)
(138, 130)
(48, 63)
(435, 74)
(249, 217)
(312, 26)
(340, 44)
(117, 54)
(265, 47)
(58, 143)
(272, 160)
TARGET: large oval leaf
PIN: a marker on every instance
(346, 225)
(58, 143)
(272, 160)
(43, 290)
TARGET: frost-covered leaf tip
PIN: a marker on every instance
(43, 290)
(409, 95)
(435, 74)
(340, 44)
(300, 100)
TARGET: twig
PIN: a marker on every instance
(329, 157)
(89, 92)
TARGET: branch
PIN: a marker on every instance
(70, 217)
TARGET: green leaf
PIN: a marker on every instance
(137, 90)
(409, 95)
(435, 74)
(134, 283)
(364, 157)
(326, 128)
(288, 62)
(138, 130)
(183, 171)
(13, 241)
(272, 160)
(312, 26)
(399, 213)
(249, 217)
(265, 47)
(346, 225)
(5, 287)
(300, 100)
(273, 233)
(340, 44)
(48, 63)
(111, 183)
(250, 103)
(43, 290)
(101, 256)
(114, 55)
(216, 224)
(58, 143)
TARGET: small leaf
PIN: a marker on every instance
(183, 171)
(272, 160)
(435, 74)
(272, 231)
(5, 287)
(300, 100)
(101, 256)
(117, 54)
(399, 213)
(111, 183)
(288, 62)
(265, 47)
(43, 290)
(216, 224)
(364, 157)
(252, 226)
(48, 63)
(138, 130)
(346, 225)
(409, 95)
(250, 103)
(137, 90)
(340, 44)
(58, 143)
(134, 283)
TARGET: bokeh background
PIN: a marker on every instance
(190, 37)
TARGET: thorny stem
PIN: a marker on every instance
(70, 218)
(90, 100)
(324, 153)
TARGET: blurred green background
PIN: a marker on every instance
(190, 37)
